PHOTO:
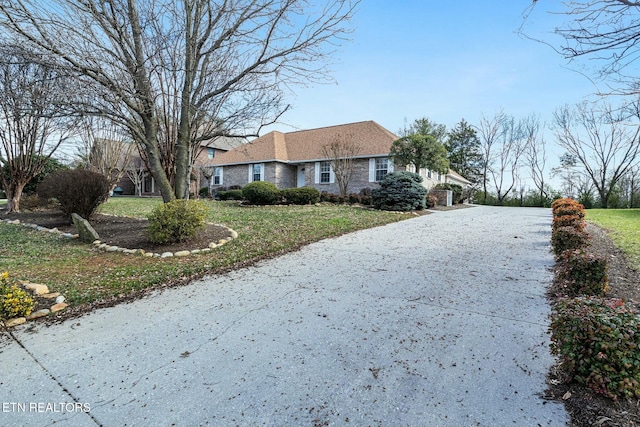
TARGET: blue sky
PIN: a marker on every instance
(442, 60)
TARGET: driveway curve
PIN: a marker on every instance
(437, 320)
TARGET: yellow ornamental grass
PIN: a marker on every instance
(14, 302)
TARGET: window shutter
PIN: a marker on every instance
(317, 173)
(390, 166)
(261, 171)
(332, 175)
(221, 173)
(372, 170)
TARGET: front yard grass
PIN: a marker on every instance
(624, 229)
(85, 276)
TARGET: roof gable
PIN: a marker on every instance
(307, 145)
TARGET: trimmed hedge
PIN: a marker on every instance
(598, 342)
(230, 195)
(582, 273)
(568, 238)
(261, 193)
(301, 196)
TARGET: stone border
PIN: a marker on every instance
(41, 291)
(107, 248)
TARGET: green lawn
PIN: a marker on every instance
(624, 229)
(85, 276)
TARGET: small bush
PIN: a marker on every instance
(354, 198)
(582, 273)
(431, 201)
(597, 341)
(572, 210)
(78, 191)
(331, 198)
(574, 221)
(565, 201)
(14, 302)
(204, 192)
(261, 193)
(32, 202)
(400, 191)
(230, 195)
(176, 221)
(568, 238)
(301, 196)
(365, 196)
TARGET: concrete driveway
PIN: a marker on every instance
(438, 320)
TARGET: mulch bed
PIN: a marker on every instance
(124, 232)
(587, 408)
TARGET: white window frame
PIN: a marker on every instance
(217, 173)
(211, 152)
(373, 168)
(251, 176)
(318, 173)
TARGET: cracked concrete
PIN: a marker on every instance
(437, 320)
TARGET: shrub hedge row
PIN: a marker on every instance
(596, 339)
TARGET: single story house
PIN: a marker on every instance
(298, 159)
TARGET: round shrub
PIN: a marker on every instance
(176, 221)
(597, 341)
(430, 201)
(78, 191)
(14, 302)
(204, 192)
(230, 195)
(400, 191)
(261, 193)
(301, 196)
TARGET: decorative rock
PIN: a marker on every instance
(206, 250)
(14, 322)
(97, 242)
(196, 251)
(212, 245)
(182, 253)
(68, 235)
(234, 234)
(222, 241)
(148, 254)
(37, 289)
(111, 248)
(15, 221)
(39, 313)
(166, 255)
(60, 306)
(102, 246)
(60, 299)
(51, 295)
(85, 230)
(53, 230)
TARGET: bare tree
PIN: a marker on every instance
(604, 143)
(136, 171)
(568, 174)
(230, 63)
(341, 153)
(33, 121)
(535, 155)
(105, 149)
(502, 141)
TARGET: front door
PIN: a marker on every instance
(301, 180)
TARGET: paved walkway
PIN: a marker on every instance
(438, 320)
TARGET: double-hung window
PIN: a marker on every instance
(256, 172)
(217, 176)
(382, 168)
(325, 172)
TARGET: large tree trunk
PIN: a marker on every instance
(14, 192)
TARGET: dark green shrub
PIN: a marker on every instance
(230, 195)
(78, 191)
(301, 196)
(176, 221)
(598, 342)
(568, 238)
(454, 188)
(354, 198)
(400, 191)
(261, 193)
(582, 273)
(331, 198)
(204, 192)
